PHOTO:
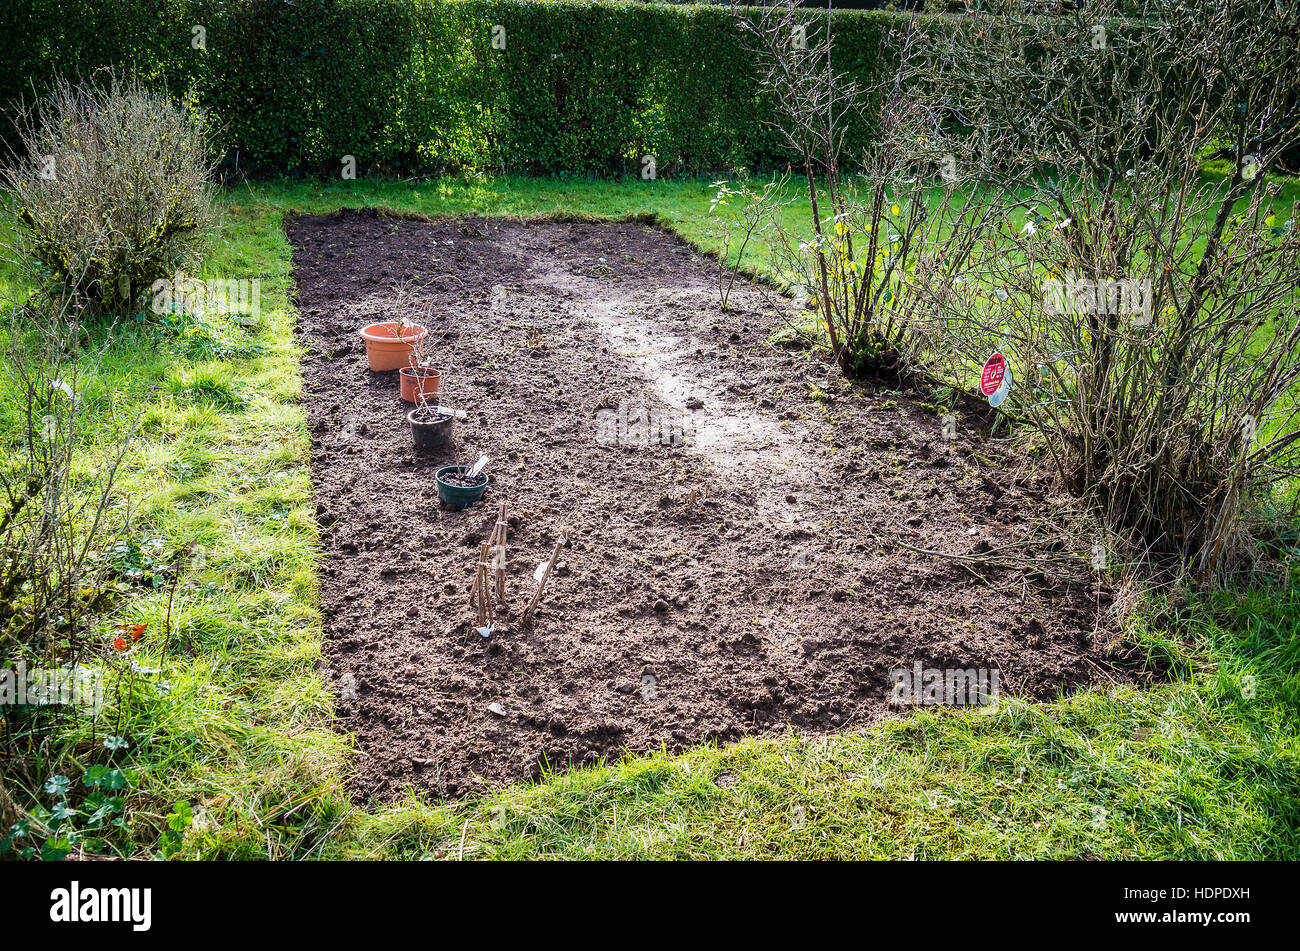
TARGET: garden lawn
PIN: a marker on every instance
(1203, 765)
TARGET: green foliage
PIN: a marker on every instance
(73, 815)
(418, 85)
(178, 823)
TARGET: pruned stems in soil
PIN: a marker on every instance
(497, 562)
(541, 581)
(482, 594)
(754, 211)
(499, 552)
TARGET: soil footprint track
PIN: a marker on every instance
(733, 433)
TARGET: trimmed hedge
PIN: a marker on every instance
(416, 85)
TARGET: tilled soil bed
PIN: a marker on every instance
(747, 573)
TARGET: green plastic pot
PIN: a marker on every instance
(458, 496)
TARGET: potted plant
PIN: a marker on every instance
(420, 380)
(431, 427)
(431, 420)
(462, 486)
(390, 343)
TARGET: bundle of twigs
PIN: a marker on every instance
(490, 575)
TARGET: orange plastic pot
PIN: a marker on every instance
(389, 345)
(420, 384)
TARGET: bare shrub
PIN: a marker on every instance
(755, 221)
(877, 216)
(1150, 312)
(60, 516)
(58, 513)
(111, 194)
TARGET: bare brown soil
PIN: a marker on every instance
(753, 580)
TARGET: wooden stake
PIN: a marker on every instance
(481, 577)
(501, 560)
(541, 582)
(480, 590)
(497, 537)
(476, 597)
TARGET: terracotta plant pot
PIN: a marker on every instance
(420, 385)
(389, 345)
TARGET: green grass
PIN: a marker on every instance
(1190, 768)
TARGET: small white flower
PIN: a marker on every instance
(1029, 228)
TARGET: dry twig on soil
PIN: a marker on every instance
(541, 581)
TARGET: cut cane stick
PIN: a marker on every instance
(498, 537)
(478, 595)
(501, 560)
(473, 588)
(541, 582)
(487, 591)
(481, 588)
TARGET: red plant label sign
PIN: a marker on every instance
(994, 372)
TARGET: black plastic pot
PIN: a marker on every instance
(430, 430)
